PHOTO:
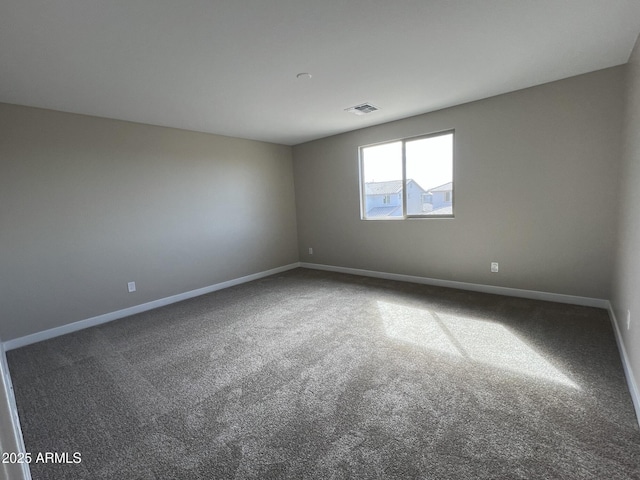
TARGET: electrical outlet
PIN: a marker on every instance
(494, 267)
(310, 251)
(131, 286)
(628, 319)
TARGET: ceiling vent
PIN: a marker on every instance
(362, 109)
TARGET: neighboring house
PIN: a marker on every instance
(384, 199)
(439, 200)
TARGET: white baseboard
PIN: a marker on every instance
(475, 287)
(108, 317)
(626, 364)
(125, 312)
(10, 434)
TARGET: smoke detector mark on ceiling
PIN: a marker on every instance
(362, 109)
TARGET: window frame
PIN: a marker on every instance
(405, 216)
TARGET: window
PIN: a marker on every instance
(420, 165)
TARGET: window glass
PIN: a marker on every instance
(426, 186)
(429, 171)
(382, 178)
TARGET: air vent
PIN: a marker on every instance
(362, 109)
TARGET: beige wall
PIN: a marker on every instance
(536, 189)
(626, 287)
(88, 204)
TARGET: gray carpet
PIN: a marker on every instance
(320, 375)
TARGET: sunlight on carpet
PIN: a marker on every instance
(476, 340)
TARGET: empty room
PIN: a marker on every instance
(295, 239)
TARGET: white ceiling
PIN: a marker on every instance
(229, 67)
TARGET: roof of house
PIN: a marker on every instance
(383, 188)
(387, 188)
(445, 187)
(385, 211)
